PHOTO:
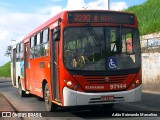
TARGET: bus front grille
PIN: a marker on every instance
(105, 80)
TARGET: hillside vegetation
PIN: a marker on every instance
(148, 16)
(5, 70)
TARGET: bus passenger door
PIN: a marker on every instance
(27, 65)
(55, 68)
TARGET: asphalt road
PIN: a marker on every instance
(150, 102)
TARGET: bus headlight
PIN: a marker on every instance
(133, 84)
(71, 85)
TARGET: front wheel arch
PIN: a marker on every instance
(50, 106)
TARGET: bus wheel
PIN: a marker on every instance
(21, 92)
(49, 105)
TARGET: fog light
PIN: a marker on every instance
(69, 83)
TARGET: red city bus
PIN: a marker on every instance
(80, 58)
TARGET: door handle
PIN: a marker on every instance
(55, 62)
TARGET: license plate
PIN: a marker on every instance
(107, 98)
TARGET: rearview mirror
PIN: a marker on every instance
(56, 31)
(56, 35)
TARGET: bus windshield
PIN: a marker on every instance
(101, 48)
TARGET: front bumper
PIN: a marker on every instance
(74, 98)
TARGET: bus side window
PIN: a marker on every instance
(32, 43)
(44, 43)
(113, 41)
(37, 45)
(127, 43)
(17, 53)
(21, 51)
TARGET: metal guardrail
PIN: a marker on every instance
(151, 44)
(151, 47)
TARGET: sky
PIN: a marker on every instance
(18, 17)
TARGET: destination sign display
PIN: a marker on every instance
(102, 17)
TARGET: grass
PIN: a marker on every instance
(5, 70)
(148, 15)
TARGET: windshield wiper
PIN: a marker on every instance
(92, 33)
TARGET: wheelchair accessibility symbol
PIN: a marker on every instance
(112, 63)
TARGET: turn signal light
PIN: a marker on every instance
(137, 81)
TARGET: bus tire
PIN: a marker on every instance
(50, 106)
(20, 91)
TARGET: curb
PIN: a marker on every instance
(151, 92)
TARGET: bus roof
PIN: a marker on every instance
(60, 15)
